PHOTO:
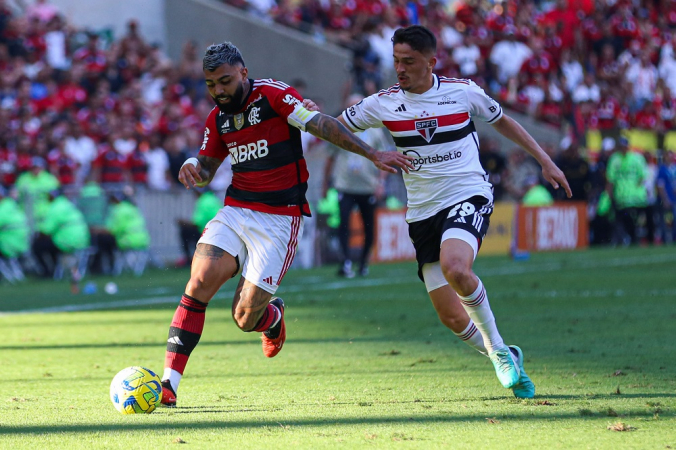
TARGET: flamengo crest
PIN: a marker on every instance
(426, 128)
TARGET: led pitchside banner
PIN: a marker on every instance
(393, 244)
(392, 241)
(562, 226)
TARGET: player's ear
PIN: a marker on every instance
(432, 62)
(245, 72)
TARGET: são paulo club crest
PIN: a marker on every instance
(426, 128)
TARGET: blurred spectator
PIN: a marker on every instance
(62, 232)
(508, 55)
(626, 174)
(62, 165)
(666, 189)
(14, 238)
(42, 10)
(536, 194)
(359, 184)
(81, 148)
(56, 44)
(127, 224)
(467, 56)
(576, 170)
(175, 145)
(34, 187)
(571, 70)
(495, 166)
(588, 91)
(643, 77)
(109, 167)
(520, 168)
(206, 207)
(137, 167)
(159, 177)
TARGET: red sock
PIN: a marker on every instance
(268, 319)
(185, 332)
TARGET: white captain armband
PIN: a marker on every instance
(192, 161)
(300, 117)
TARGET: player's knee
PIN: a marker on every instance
(456, 272)
(455, 323)
(198, 287)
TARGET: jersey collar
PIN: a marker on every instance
(435, 87)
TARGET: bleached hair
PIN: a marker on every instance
(219, 54)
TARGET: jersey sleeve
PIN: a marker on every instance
(212, 145)
(363, 115)
(289, 104)
(481, 105)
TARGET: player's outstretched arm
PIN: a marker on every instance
(512, 130)
(332, 130)
(198, 172)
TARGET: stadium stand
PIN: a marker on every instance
(116, 111)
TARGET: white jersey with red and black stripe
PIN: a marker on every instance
(269, 173)
(435, 128)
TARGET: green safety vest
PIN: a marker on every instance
(208, 204)
(14, 233)
(127, 224)
(66, 225)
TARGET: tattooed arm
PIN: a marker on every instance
(334, 131)
(198, 172)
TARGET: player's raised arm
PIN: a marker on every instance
(198, 172)
(512, 130)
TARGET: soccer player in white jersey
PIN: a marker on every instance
(449, 197)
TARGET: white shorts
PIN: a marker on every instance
(265, 244)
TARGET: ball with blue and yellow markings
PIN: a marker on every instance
(136, 390)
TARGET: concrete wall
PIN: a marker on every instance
(115, 14)
(269, 50)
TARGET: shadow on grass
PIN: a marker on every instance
(394, 338)
(272, 422)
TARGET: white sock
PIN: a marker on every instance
(473, 337)
(479, 310)
(173, 376)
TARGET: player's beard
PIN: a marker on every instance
(235, 103)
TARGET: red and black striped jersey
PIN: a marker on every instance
(269, 173)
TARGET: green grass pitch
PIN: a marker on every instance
(366, 364)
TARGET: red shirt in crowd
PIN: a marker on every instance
(543, 64)
(607, 112)
(63, 166)
(646, 120)
(565, 21)
(112, 165)
(138, 167)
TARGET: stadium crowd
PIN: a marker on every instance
(80, 110)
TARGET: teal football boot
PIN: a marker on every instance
(525, 388)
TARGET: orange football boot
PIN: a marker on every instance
(272, 346)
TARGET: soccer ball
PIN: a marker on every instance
(136, 390)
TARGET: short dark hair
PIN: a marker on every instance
(418, 37)
(219, 54)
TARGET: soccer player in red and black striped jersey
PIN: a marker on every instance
(257, 123)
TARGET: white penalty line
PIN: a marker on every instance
(319, 285)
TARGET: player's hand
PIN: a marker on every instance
(189, 175)
(556, 178)
(389, 161)
(310, 105)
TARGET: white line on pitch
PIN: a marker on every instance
(318, 285)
